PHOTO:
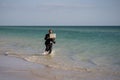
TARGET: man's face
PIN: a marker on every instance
(50, 31)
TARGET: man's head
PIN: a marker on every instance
(50, 31)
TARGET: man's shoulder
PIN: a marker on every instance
(47, 35)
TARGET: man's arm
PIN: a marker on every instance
(53, 40)
(46, 37)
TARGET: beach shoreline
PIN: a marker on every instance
(18, 69)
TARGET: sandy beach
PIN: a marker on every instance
(13, 68)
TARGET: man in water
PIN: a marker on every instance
(49, 42)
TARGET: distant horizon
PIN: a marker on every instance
(62, 25)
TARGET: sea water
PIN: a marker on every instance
(77, 48)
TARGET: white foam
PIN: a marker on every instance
(46, 53)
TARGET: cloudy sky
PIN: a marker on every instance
(60, 12)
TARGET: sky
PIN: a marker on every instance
(60, 12)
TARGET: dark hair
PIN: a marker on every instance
(50, 29)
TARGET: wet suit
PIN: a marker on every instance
(48, 43)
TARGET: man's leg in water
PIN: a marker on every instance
(50, 48)
(47, 47)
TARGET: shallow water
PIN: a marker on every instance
(78, 49)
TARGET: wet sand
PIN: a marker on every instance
(12, 68)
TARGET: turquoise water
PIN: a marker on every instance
(76, 47)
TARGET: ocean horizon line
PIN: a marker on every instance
(59, 26)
